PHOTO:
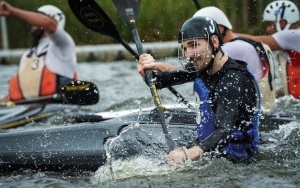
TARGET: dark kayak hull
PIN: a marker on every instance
(78, 146)
(81, 145)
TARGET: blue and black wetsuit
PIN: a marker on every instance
(227, 114)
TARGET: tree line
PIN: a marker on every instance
(159, 20)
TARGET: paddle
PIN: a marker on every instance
(74, 92)
(91, 15)
(129, 10)
(197, 4)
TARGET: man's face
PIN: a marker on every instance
(270, 28)
(197, 51)
(35, 30)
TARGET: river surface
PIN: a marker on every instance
(121, 88)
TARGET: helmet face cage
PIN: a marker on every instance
(194, 29)
(189, 58)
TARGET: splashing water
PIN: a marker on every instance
(127, 156)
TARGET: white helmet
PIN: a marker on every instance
(281, 10)
(216, 14)
(54, 12)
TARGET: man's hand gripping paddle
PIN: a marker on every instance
(129, 10)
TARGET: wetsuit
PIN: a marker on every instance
(233, 99)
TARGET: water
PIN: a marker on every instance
(122, 88)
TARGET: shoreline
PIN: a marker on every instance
(102, 53)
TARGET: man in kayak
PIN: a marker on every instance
(283, 35)
(257, 55)
(51, 62)
(227, 95)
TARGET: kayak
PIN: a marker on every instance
(82, 145)
(20, 115)
(267, 122)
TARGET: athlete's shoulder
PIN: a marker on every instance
(237, 45)
(235, 64)
(287, 33)
(236, 67)
(239, 49)
(62, 38)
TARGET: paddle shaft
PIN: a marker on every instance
(40, 99)
(29, 101)
(129, 11)
(197, 4)
(125, 44)
(150, 81)
(157, 101)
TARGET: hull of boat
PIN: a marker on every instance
(82, 145)
(78, 146)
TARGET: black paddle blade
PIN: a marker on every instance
(80, 92)
(129, 10)
(93, 17)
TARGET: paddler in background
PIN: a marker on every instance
(51, 61)
(283, 37)
(227, 94)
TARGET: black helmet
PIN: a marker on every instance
(199, 27)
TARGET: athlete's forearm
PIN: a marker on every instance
(164, 67)
(213, 140)
(175, 77)
(35, 18)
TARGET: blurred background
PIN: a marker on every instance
(159, 20)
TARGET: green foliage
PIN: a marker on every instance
(159, 20)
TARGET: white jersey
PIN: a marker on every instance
(61, 53)
(244, 51)
(288, 39)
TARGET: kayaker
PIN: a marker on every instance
(257, 55)
(51, 61)
(227, 94)
(283, 35)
